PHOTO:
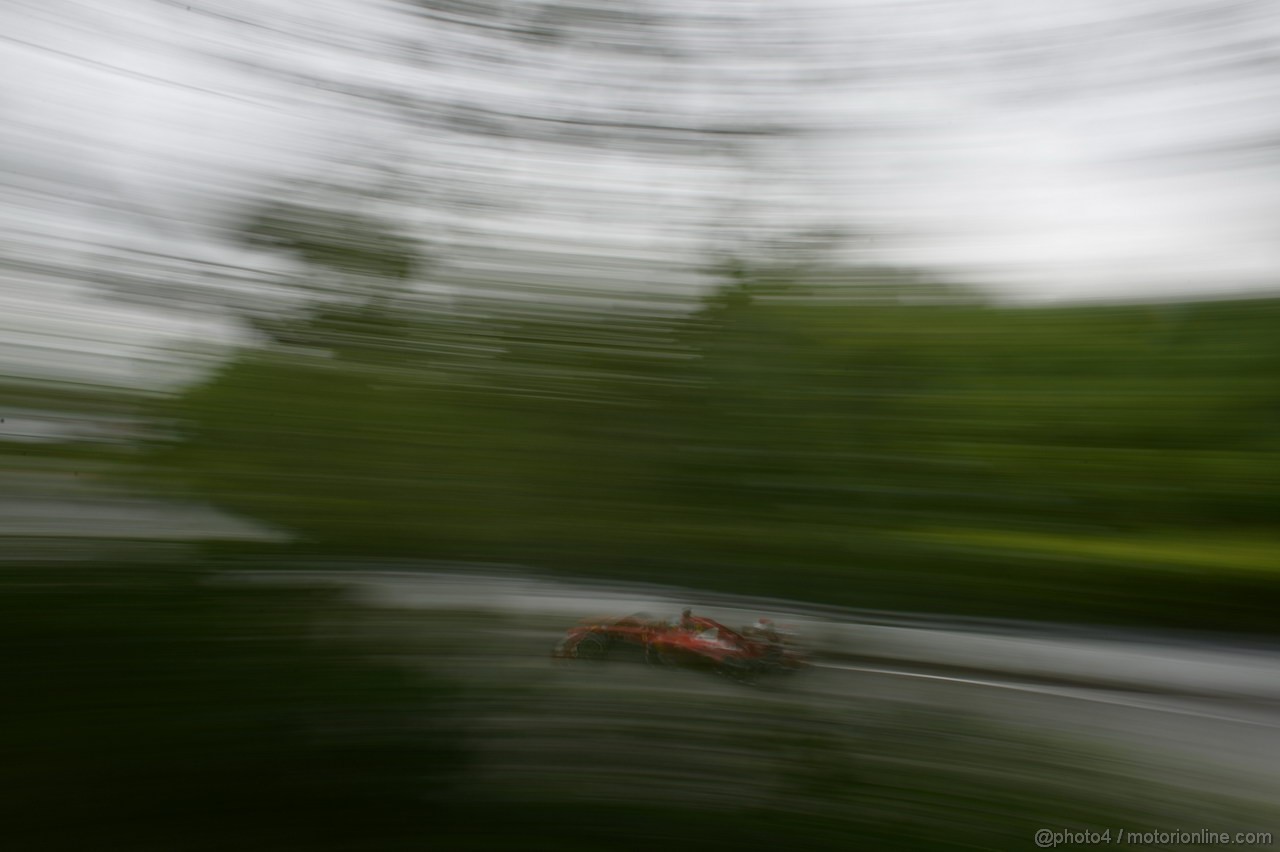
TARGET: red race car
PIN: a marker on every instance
(689, 641)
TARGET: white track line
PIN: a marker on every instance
(1077, 694)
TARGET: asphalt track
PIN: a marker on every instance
(1198, 712)
(1227, 744)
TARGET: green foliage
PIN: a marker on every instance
(333, 240)
(785, 439)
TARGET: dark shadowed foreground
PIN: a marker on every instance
(154, 710)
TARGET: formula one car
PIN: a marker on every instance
(690, 641)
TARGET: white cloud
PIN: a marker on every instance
(1054, 149)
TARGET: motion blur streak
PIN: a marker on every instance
(351, 353)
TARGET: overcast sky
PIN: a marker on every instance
(1093, 149)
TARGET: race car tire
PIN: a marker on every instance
(739, 671)
(592, 648)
